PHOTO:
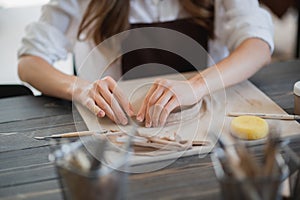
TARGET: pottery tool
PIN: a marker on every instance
(270, 153)
(232, 161)
(265, 116)
(69, 135)
(136, 139)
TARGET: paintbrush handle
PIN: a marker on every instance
(266, 116)
(73, 134)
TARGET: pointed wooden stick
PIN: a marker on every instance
(70, 135)
(266, 116)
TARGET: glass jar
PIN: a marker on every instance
(297, 98)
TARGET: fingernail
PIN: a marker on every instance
(148, 125)
(139, 118)
(124, 121)
(131, 113)
(101, 113)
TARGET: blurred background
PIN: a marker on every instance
(16, 14)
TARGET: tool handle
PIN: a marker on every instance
(73, 134)
(266, 116)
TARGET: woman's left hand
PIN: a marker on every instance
(163, 97)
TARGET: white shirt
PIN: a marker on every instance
(54, 35)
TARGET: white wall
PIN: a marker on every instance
(12, 25)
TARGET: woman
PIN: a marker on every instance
(240, 41)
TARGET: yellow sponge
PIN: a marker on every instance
(249, 127)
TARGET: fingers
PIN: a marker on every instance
(106, 108)
(120, 96)
(141, 113)
(158, 107)
(171, 105)
(104, 97)
(149, 108)
(114, 105)
(111, 104)
(91, 105)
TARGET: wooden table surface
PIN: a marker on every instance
(26, 173)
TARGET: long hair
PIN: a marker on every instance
(105, 18)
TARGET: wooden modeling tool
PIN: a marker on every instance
(266, 116)
(69, 135)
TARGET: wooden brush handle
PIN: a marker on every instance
(73, 134)
(266, 116)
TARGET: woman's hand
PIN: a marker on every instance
(163, 97)
(104, 97)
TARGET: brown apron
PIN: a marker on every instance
(139, 57)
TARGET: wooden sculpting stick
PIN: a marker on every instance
(266, 116)
(69, 135)
(105, 132)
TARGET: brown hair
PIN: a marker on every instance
(104, 18)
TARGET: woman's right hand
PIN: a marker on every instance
(104, 97)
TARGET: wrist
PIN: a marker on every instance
(199, 86)
(76, 88)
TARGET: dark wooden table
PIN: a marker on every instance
(26, 173)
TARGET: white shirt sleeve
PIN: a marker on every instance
(53, 36)
(243, 19)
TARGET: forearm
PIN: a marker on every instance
(97, 96)
(245, 61)
(44, 77)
